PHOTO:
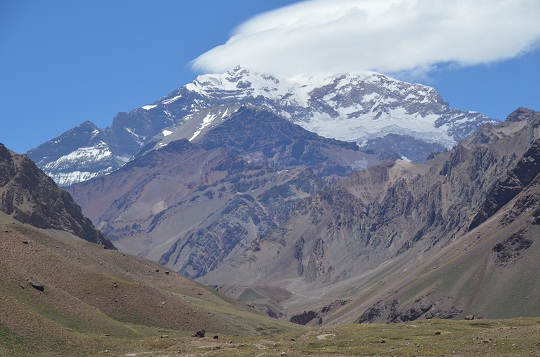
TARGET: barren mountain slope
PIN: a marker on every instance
(489, 272)
(63, 295)
(30, 196)
(76, 155)
(191, 205)
(343, 242)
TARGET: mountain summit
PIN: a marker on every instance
(382, 115)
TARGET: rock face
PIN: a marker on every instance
(262, 137)
(510, 249)
(363, 232)
(304, 318)
(511, 185)
(29, 196)
(382, 115)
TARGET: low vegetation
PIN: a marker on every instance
(516, 337)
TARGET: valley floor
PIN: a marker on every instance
(516, 337)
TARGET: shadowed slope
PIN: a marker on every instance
(190, 205)
(30, 196)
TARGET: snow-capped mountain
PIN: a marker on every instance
(382, 115)
(77, 155)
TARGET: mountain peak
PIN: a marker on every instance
(361, 107)
(522, 114)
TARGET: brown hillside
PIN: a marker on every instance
(62, 293)
(489, 272)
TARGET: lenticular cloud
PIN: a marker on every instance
(389, 36)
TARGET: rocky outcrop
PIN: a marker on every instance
(510, 249)
(423, 310)
(373, 314)
(30, 196)
(394, 312)
(304, 318)
(313, 318)
(524, 172)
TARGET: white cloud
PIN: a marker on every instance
(388, 36)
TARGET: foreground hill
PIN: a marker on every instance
(98, 302)
(63, 296)
(453, 237)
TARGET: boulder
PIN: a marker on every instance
(199, 334)
(37, 285)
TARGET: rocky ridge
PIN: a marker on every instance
(30, 196)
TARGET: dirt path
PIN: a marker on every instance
(325, 336)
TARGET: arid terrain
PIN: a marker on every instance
(100, 302)
(299, 178)
(63, 296)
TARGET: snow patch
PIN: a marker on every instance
(370, 97)
(167, 132)
(148, 107)
(92, 154)
(139, 138)
(172, 100)
(122, 160)
(206, 122)
(405, 158)
(195, 135)
(94, 134)
(70, 178)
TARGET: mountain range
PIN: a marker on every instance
(354, 198)
(382, 115)
(191, 204)
(289, 230)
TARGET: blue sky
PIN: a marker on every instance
(63, 62)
